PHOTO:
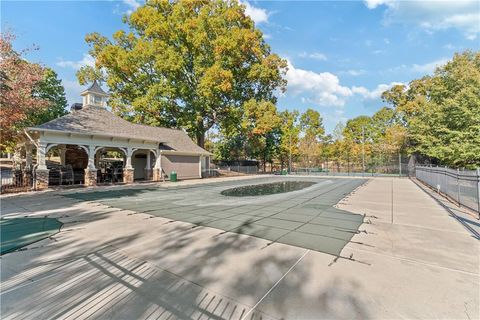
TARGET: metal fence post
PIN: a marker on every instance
(399, 165)
(478, 192)
(458, 186)
(445, 180)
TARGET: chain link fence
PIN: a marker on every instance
(358, 165)
(216, 171)
(462, 186)
(392, 172)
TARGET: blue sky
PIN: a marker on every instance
(342, 54)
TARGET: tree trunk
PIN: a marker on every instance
(201, 139)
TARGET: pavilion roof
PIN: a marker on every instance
(93, 120)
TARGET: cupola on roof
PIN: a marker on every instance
(95, 88)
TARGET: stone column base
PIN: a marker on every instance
(128, 175)
(42, 178)
(90, 177)
(148, 174)
(156, 174)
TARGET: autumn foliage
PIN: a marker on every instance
(19, 79)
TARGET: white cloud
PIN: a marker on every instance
(132, 4)
(378, 51)
(400, 68)
(430, 66)
(72, 90)
(426, 68)
(87, 60)
(321, 88)
(258, 15)
(463, 15)
(72, 85)
(325, 90)
(355, 73)
(314, 55)
(471, 36)
(372, 4)
(375, 93)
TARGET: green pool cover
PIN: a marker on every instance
(305, 218)
(16, 233)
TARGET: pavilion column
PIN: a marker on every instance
(128, 171)
(42, 173)
(157, 169)
(41, 153)
(200, 158)
(97, 158)
(17, 158)
(148, 167)
(28, 156)
(27, 172)
(62, 150)
(91, 170)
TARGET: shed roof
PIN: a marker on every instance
(93, 120)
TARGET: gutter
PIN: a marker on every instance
(184, 153)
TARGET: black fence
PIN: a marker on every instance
(462, 186)
(13, 181)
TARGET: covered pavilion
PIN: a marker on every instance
(90, 131)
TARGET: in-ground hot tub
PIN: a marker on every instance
(267, 188)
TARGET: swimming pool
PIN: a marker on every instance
(267, 188)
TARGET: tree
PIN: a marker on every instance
(311, 124)
(18, 99)
(442, 112)
(229, 147)
(358, 129)
(259, 125)
(337, 134)
(337, 147)
(187, 64)
(50, 89)
(289, 137)
(381, 121)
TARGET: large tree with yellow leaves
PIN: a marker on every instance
(186, 64)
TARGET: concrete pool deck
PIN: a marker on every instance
(112, 263)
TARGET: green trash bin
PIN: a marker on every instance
(173, 176)
(284, 172)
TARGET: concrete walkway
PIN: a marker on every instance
(116, 264)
